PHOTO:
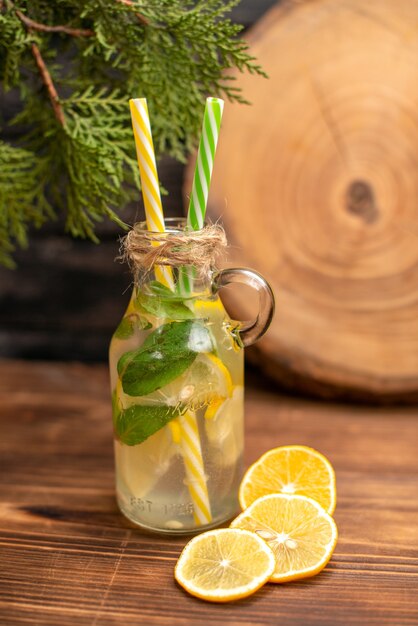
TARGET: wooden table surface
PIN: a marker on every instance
(68, 557)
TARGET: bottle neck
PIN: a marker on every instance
(175, 282)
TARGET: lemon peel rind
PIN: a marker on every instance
(333, 488)
(309, 571)
(225, 595)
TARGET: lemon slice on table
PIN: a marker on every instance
(290, 470)
(298, 530)
(224, 564)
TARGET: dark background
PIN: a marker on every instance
(66, 296)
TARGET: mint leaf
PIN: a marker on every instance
(147, 373)
(190, 335)
(164, 304)
(127, 326)
(164, 356)
(234, 329)
(138, 422)
(165, 292)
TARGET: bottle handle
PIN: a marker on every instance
(251, 331)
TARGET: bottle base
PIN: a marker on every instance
(174, 527)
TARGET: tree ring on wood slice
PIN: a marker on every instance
(316, 184)
(360, 201)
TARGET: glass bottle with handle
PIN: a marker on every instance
(177, 383)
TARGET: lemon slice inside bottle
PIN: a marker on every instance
(207, 381)
(224, 428)
(211, 308)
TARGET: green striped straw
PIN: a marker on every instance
(204, 163)
(202, 176)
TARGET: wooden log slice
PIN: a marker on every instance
(317, 186)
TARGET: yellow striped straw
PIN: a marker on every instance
(149, 178)
(195, 471)
(189, 439)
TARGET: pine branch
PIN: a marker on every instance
(43, 70)
(76, 150)
(22, 201)
(45, 28)
(141, 18)
(47, 80)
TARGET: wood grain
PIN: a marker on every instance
(68, 557)
(316, 184)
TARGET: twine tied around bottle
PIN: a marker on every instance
(176, 248)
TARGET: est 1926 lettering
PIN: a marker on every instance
(141, 504)
(178, 509)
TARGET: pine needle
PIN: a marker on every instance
(74, 66)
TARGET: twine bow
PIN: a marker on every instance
(200, 249)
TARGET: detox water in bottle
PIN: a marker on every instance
(176, 367)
